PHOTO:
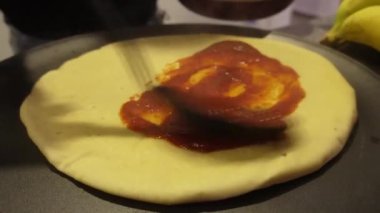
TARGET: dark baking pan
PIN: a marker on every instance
(349, 183)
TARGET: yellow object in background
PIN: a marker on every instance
(357, 21)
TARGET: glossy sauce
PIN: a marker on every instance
(226, 96)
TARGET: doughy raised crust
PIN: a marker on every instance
(72, 115)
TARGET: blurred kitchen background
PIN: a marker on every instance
(308, 19)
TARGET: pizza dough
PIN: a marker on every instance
(72, 115)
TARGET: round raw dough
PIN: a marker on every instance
(72, 115)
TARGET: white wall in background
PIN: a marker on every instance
(5, 47)
(320, 8)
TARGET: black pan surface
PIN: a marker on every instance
(349, 183)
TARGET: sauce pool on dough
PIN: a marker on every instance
(225, 96)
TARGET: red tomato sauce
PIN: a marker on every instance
(242, 100)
